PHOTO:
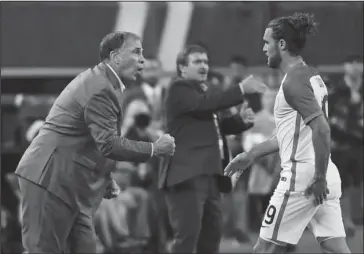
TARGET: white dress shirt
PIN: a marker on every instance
(122, 86)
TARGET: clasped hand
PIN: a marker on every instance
(319, 190)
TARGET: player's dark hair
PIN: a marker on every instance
(294, 30)
(182, 58)
(113, 41)
(239, 60)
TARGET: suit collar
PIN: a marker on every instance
(112, 76)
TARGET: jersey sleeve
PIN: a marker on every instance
(299, 94)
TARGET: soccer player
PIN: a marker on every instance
(309, 190)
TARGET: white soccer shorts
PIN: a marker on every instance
(289, 213)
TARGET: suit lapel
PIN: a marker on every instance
(115, 83)
(113, 80)
(110, 75)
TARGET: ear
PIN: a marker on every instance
(282, 44)
(113, 56)
(181, 69)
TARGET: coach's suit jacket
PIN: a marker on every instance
(75, 151)
(189, 117)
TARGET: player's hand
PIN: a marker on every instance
(164, 146)
(112, 190)
(252, 85)
(241, 162)
(319, 190)
(247, 114)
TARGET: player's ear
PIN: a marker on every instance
(282, 44)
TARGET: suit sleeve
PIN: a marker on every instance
(185, 99)
(233, 125)
(101, 118)
(300, 96)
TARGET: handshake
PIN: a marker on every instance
(164, 146)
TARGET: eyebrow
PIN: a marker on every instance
(201, 60)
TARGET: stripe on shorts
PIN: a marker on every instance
(293, 177)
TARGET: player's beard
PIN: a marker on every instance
(275, 60)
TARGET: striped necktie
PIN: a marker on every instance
(217, 126)
(219, 136)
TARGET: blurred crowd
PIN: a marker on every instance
(137, 221)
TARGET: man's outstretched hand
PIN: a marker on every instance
(252, 85)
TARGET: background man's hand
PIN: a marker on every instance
(247, 114)
(112, 190)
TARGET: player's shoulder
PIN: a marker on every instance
(300, 75)
(298, 80)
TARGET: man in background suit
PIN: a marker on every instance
(66, 170)
(192, 179)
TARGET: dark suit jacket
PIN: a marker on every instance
(75, 151)
(189, 117)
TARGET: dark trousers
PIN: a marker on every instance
(350, 165)
(258, 204)
(194, 209)
(50, 226)
(156, 219)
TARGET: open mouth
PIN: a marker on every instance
(140, 69)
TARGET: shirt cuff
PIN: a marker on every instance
(152, 150)
(241, 88)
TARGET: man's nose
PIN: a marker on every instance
(142, 60)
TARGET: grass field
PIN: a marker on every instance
(307, 244)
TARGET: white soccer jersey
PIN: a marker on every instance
(302, 97)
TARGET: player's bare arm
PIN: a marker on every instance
(321, 143)
(243, 160)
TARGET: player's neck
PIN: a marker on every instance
(290, 62)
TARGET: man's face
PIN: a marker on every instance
(130, 59)
(271, 49)
(354, 69)
(197, 67)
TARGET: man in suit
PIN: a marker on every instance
(66, 170)
(192, 179)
